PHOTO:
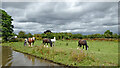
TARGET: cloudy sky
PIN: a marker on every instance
(74, 17)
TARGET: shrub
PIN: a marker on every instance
(13, 40)
(78, 56)
(20, 39)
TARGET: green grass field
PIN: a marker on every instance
(100, 53)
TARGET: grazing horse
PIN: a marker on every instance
(53, 40)
(83, 42)
(31, 40)
(47, 41)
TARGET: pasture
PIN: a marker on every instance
(100, 53)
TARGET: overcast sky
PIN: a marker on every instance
(74, 17)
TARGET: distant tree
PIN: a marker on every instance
(47, 31)
(97, 35)
(84, 36)
(119, 36)
(115, 35)
(38, 36)
(7, 27)
(14, 34)
(108, 34)
(44, 35)
(29, 35)
(21, 34)
(77, 36)
(50, 35)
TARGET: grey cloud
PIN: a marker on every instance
(110, 24)
(21, 5)
(60, 16)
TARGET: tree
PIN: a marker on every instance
(29, 35)
(108, 34)
(115, 35)
(119, 36)
(0, 30)
(38, 36)
(21, 34)
(47, 31)
(7, 27)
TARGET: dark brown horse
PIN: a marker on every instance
(47, 41)
(31, 40)
(83, 42)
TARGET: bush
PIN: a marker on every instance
(13, 40)
(78, 56)
(20, 39)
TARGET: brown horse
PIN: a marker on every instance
(47, 41)
(83, 42)
(31, 40)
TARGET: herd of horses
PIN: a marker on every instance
(30, 42)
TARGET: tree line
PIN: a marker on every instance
(65, 35)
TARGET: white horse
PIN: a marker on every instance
(53, 40)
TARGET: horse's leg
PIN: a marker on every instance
(83, 47)
(87, 47)
(44, 44)
(50, 44)
(33, 43)
(24, 44)
(54, 43)
(29, 44)
(47, 44)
